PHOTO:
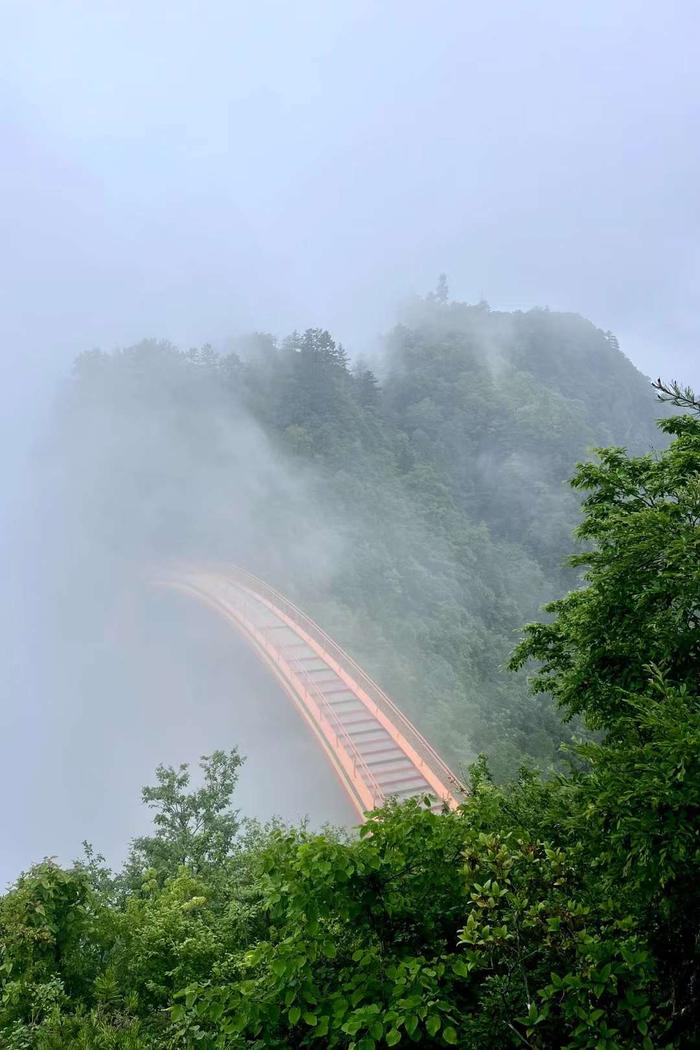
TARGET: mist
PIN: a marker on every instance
(187, 173)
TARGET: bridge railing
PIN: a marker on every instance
(247, 602)
(325, 710)
(384, 703)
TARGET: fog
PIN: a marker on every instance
(193, 171)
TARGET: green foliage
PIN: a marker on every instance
(641, 803)
(42, 924)
(624, 652)
(195, 828)
(641, 604)
(496, 925)
(356, 933)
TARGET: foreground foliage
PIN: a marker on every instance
(550, 912)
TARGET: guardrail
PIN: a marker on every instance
(325, 708)
(383, 702)
(342, 736)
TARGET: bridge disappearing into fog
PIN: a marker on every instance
(374, 749)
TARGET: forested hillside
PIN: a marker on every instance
(418, 509)
(558, 911)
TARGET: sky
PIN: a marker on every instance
(194, 170)
(191, 170)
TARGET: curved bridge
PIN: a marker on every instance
(375, 750)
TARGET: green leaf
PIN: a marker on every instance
(433, 1024)
(392, 1037)
(450, 1035)
(411, 1023)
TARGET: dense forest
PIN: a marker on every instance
(556, 910)
(418, 509)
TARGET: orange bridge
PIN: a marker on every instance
(374, 749)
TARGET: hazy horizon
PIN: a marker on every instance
(190, 172)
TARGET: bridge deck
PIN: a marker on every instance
(375, 750)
